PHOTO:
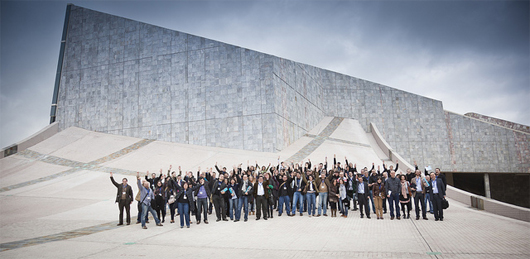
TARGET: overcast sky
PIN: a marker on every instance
(471, 55)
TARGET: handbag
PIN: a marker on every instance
(445, 204)
(171, 199)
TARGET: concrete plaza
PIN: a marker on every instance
(57, 202)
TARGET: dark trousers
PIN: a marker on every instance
(384, 205)
(202, 206)
(363, 203)
(437, 204)
(261, 205)
(160, 207)
(420, 198)
(172, 208)
(219, 204)
(408, 209)
(122, 204)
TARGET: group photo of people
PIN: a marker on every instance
(285, 189)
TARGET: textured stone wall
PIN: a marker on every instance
(500, 122)
(477, 146)
(129, 78)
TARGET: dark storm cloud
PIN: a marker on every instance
(471, 55)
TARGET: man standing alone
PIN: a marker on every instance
(124, 198)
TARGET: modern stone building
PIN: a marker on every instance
(125, 77)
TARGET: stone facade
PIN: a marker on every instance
(129, 78)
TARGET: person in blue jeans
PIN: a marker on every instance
(283, 192)
(184, 197)
(298, 186)
(245, 191)
(343, 198)
(146, 197)
(323, 185)
(233, 201)
(311, 192)
(428, 200)
(393, 187)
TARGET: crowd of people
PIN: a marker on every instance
(284, 189)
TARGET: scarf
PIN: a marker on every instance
(404, 189)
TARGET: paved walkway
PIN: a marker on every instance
(465, 233)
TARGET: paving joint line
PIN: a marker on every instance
(317, 141)
(76, 166)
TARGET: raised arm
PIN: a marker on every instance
(112, 180)
(217, 168)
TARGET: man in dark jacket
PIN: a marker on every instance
(393, 187)
(437, 195)
(261, 195)
(298, 186)
(124, 198)
(218, 190)
(363, 196)
(284, 189)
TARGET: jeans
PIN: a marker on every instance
(428, 201)
(138, 219)
(145, 209)
(311, 201)
(322, 200)
(184, 209)
(243, 204)
(344, 207)
(202, 206)
(372, 201)
(284, 200)
(393, 200)
(233, 207)
(298, 199)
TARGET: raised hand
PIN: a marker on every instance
(110, 174)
